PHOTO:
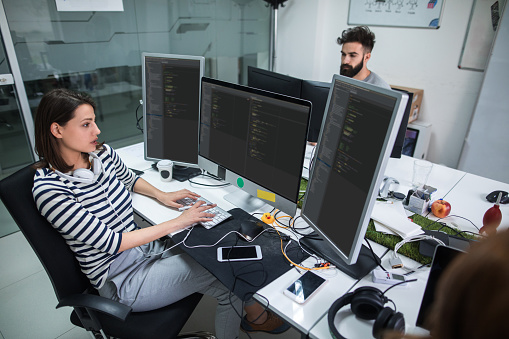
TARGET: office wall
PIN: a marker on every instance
(412, 57)
(486, 152)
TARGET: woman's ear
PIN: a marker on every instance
(55, 130)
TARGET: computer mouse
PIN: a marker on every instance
(493, 196)
(250, 229)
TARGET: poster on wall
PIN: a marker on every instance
(89, 5)
(396, 13)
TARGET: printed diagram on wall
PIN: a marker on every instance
(398, 13)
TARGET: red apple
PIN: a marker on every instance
(440, 208)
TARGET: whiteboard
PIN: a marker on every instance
(398, 13)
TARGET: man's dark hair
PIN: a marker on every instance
(361, 34)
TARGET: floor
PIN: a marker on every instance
(27, 301)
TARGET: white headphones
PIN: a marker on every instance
(85, 175)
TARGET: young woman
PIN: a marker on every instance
(82, 186)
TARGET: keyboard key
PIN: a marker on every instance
(220, 214)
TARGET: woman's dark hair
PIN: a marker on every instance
(472, 297)
(58, 106)
(361, 34)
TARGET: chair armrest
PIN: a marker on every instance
(97, 303)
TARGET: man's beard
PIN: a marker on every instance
(350, 71)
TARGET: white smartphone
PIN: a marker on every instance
(303, 288)
(239, 253)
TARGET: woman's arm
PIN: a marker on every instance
(142, 236)
(167, 198)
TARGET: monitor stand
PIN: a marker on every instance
(183, 173)
(366, 261)
(244, 200)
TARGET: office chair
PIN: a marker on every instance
(96, 314)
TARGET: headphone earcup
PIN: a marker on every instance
(367, 302)
(335, 307)
(387, 319)
(83, 173)
(97, 166)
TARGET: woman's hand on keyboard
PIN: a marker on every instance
(170, 198)
(196, 213)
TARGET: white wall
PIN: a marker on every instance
(412, 57)
(486, 152)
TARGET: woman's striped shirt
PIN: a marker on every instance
(91, 217)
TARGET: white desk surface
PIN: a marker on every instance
(155, 212)
(133, 156)
(465, 192)
(304, 317)
(468, 200)
(407, 300)
(443, 178)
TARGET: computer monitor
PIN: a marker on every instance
(359, 129)
(254, 140)
(171, 104)
(273, 82)
(317, 92)
(397, 149)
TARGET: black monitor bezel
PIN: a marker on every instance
(397, 149)
(145, 55)
(351, 257)
(316, 120)
(255, 74)
(224, 172)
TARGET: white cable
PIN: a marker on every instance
(148, 255)
(217, 242)
(413, 238)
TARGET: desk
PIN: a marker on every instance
(468, 200)
(407, 300)
(156, 213)
(464, 191)
(443, 178)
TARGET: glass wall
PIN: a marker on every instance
(100, 52)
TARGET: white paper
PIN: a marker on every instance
(393, 217)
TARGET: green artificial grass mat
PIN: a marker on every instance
(410, 250)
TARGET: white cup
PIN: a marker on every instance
(165, 168)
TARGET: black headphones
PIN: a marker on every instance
(368, 303)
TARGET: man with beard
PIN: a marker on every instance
(357, 44)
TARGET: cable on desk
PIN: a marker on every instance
(265, 309)
(296, 265)
(374, 255)
(183, 242)
(208, 185)
(452, 215)
(454, 185)
(248, 295)
(140, 128)
(400, 283)
(417, 270)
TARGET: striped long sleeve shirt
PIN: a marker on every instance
(91, 217)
